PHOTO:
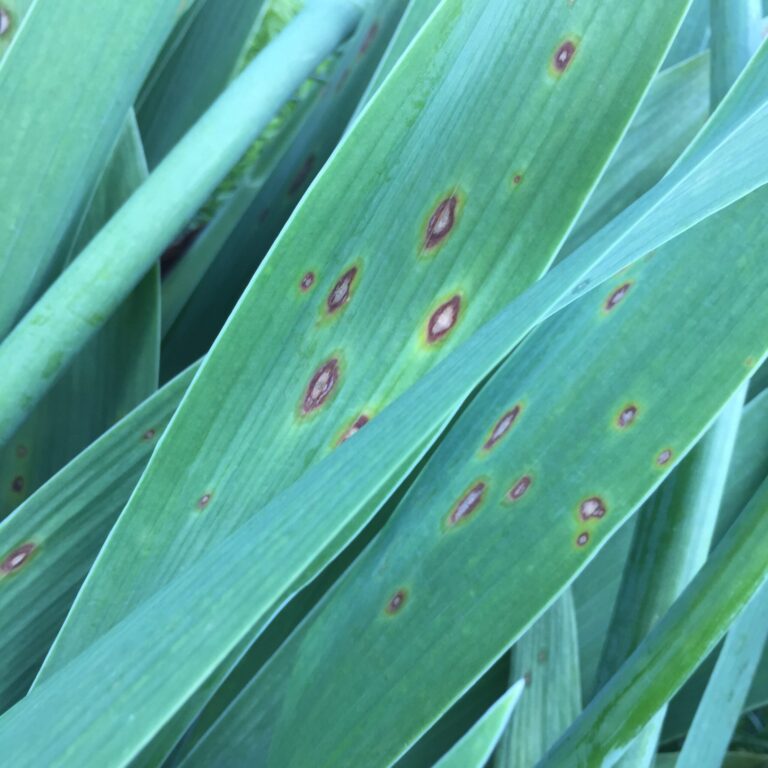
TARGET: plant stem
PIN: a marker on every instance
(73, 309)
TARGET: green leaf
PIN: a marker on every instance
(58, 142)
(748, 469)
(672, 112)
(672, 539)
(693, 35)
(67, 521)
(290, 335)
(198, 61)
(331, 485)
(736, 35)
(201, 290)
(463, 599)
(732, 760)
(547, 659)
(594, 593)
(69, 314)
(710, 734)
(104, 382)
(475, 748)
(454, 723)
(699, 618)
(136, 651)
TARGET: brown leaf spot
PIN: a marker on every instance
(441, 222)
(563, 56)
(664, 457)
(339, 295)
(443, 319)
(5, 21)
(17, 484)
(15, 559)
(503, 425)
(396, 602)
(617, 296)
(627, 416)
(320, 385)
(520, 488)
(592, 508)
(307, 281)
(204, 500)
(467, 504)
(358, 424)
(148, 435)
(582, 539)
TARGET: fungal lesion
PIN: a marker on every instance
(307, 281)
(149, 435)
(321, 386)
(502, 426)
(563, 56)
(443, 320)
(582, 539)
(616, 296)
(626, 416)
(396, 602)
(519, 489)
(17, 484)
(593, 508)
(354, 428)
(17, 558)
(204, 500)
(664, 457)
(441, 221)
(341, 291)
(468, 504)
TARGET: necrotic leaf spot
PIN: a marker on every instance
(443, 319)
(441, 222)
(467, 504)
(320, 385)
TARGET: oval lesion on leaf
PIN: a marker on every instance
(322, 386)
(442, 220)
(502, 427)
(17, 558)
(563, 56)
(396, 602)
(342, 291)
(617, 295)
(443, 319)
(519, 489)
(468, 504)
(593, 508)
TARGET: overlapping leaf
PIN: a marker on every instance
(634, 421)
(479, 165)
(57, 142)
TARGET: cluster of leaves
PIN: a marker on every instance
(383, 383)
